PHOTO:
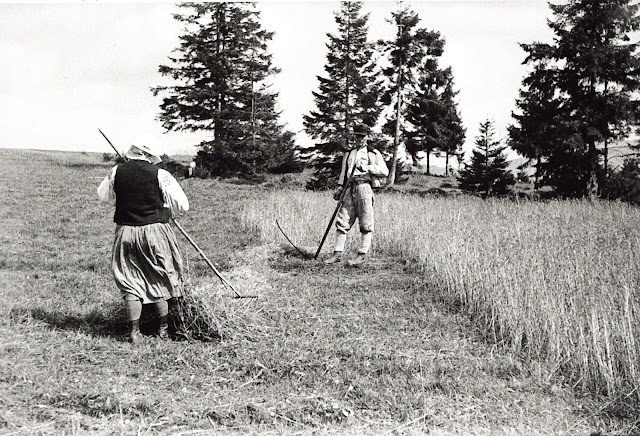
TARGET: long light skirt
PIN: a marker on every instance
(147, 263)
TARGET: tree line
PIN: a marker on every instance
(578, 100)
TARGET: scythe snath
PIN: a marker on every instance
(343, 193)
(304, 254)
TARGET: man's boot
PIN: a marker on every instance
(163, 326)
(134, 331)
(335, 258)
(358, 260)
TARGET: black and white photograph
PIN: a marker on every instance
(320, 217)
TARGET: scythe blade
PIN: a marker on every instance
(305, 255)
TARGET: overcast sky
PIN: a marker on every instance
(71, 68)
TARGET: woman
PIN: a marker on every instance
(146, 261)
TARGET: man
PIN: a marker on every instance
(362, 170)
(146, 262)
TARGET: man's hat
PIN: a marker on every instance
(361, 130)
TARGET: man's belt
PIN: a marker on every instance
(356, 183)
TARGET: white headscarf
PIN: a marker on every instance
(144, 148)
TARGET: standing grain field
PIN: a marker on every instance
(556, 280)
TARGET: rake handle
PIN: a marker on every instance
(204, 256)
(112, 146)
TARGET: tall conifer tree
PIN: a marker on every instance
(348, 94)
(487, 174)
(221, 68)
(587, 80)
(435, 123)
(455, 132)
(407, 52)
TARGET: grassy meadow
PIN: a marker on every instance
(471, 317)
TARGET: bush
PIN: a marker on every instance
(624, 184)
(175, 168)
(109, 157)
(322, 180)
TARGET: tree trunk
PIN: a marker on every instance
(396, 139)
(347, 104)
(428, 163)
(220, 47)
(253, 108)
(446, 163)
(592, 187)
(606, 159)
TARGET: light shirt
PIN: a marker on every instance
(174, 197)
(369, 166)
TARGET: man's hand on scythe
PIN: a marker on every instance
(337, 193)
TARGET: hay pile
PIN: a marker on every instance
(210, 311)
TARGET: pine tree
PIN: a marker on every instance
(348, 94)
(591, 76)
(407, 52)
(432, 113)
(455, 132)
(221, 70)
(487, 174)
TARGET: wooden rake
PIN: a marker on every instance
(206, 259)
(193, 243)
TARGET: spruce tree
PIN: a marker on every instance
(624, 183)
(220, 71)
(588, 81)
(407, 53)
(539, 115)
(435, 125)
(487, 174)
(454, 130)
(347, 94)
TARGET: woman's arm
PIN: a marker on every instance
(174, 196)
(106, 193)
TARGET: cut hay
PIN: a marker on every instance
(210, 311)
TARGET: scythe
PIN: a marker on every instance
(343, 193)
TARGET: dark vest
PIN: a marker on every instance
(138, 196)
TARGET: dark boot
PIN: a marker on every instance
(134, 331)
(163, 326)
(357, 261)
(335, 258)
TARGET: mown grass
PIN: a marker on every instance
(554, 281)
(321, 351)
